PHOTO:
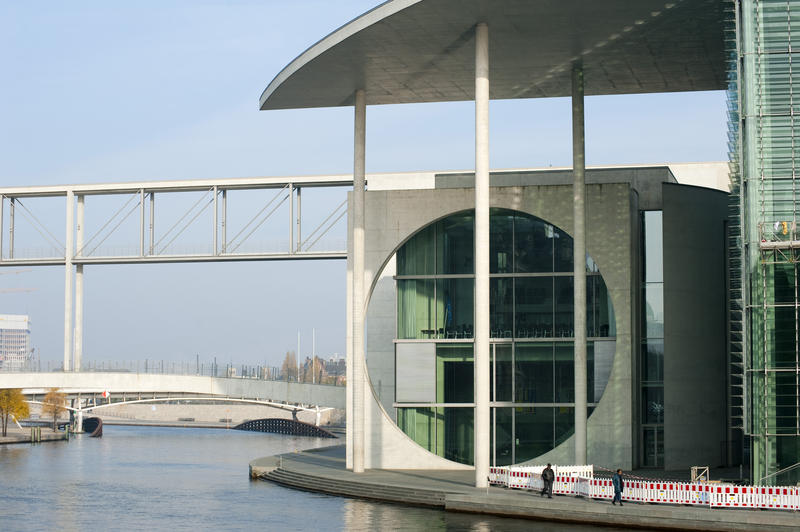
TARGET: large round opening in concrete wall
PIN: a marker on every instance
(531, 329)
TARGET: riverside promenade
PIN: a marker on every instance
(323, 471)
(23, 435)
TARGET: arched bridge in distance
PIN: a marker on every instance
(99, 390)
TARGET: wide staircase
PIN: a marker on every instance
(360, 490)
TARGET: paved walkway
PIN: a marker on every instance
(324, 470)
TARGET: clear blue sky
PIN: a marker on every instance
(97, 91)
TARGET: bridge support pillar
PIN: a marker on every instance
(78, 420)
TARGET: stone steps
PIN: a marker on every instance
(361, 490)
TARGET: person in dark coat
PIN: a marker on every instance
(548, 477)
(619, 485)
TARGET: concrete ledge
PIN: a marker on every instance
(16, 435)
(568, 509)
(261, 466)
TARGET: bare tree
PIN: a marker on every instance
(289, 367)
(12, 404)
(53, 404)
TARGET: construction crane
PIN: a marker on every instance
(15, 290)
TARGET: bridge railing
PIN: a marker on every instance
(161, 367)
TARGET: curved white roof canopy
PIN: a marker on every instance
(407, 51)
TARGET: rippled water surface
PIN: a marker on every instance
(137, 478)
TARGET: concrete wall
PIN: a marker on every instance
(392, 217)
(694, 326)
(290, 392)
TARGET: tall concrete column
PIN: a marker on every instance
(78, 355)
(68, 250)
(359, 181)
(481, 366)
(579, 256)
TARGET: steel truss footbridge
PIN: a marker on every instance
(91, 392)
(226, 215)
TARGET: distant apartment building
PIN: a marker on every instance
(15, 342)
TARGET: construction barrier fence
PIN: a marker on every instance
(580, 481)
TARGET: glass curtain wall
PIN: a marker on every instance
(769, 79)
(652, 352)
(532, 332)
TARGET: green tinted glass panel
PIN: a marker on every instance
(416, 308)
(454, 373)
(417, 256)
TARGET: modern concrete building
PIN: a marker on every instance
(655, 326)
(727, 398)
(15, 342)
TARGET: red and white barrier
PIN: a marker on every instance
(570, 482)
(780, 498)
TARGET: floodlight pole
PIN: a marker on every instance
(481, 365)
(78, 354)
(579, 260)
(359, 182)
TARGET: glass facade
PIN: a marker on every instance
(652, 350)
(763, 251)
(531, 329)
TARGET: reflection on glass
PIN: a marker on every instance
(534, 432)
(564, 423)
(564, 248)
(534, 373)
(504, 373)
(455, 309)
(599, 310)
(501, 250)
(501, 307)
(564, 356)
(415, 308)
(454, 373)
(653, 360)
(503, 436)
(459, 438)
(533, 245)
(653, 446)
(454, 251)
(654, 309)
(564, 315)
(534, 306)
(652, 404)
(653, 247)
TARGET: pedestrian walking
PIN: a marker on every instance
(619, 486)
(548, 477)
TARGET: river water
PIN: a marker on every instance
(156, 478)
